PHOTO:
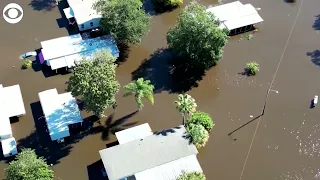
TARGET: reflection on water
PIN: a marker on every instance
(308, 139)
(305, 173)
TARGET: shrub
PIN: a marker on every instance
(164, 5)
(28, 166)
(252, 68)
(201, 118)
(192, 176)
(199, 135)
(27, 64)
(174, 3)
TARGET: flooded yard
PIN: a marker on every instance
(281, 144)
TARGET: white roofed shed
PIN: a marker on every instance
(134, 133)
(60, 111)
(235, 15)
(84, 14)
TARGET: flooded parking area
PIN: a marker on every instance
(281, 144)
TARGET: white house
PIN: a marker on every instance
(63, 52)
(236, 17)
(83, 13)
(11, 105)
(143, 155)
(60, 112)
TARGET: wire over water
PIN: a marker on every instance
(270, 87)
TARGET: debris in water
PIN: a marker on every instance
(251, 116)
(250, 36)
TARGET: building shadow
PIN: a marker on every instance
(43, 5)
(63, 21)
(36, 65)
(316, 24)
(168, 73)
(315, 57)
(289, 1)
(95, 171)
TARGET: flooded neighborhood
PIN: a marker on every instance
(264, 126)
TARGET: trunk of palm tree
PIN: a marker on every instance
(183, 119)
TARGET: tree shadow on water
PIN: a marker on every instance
(316, 24)
(43, 5)
(315, 57)
(168, 72)
(123, 53)
(112, 127)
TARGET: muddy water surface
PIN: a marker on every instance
(285, 144)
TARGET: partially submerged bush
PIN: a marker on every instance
(27, 64)
(252, 68)
(201, 118)
(199, 135)
(192, 176)
(165, 5)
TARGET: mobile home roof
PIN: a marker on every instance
(235, 15)
(60, 110)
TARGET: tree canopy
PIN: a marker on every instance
(201, 118)
(197, 37)
(199, 135)
(186, 105)
(140, 89)
(192, 176)
(125, 20)
(28, 166)
(95, 81)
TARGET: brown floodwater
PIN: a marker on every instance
(282, 144)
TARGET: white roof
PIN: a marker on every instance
(9, 147)
(5, 126)
(171, 170)
(134, 133)
(60, 110)
(68, 12)
(74, 49)
(226, 11)
(12, 99)
(235, 15)
(83, 10)
(59, 47)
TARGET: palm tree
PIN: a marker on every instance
(186, 105)
(140, 89)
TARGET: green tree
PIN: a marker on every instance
(201, 118)
(197, 37)
(95, 81)
(125, 20)
(199, 135)
(140, 89)
(192, 176)
(27, 166)
(186, 105)
(164, 5)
